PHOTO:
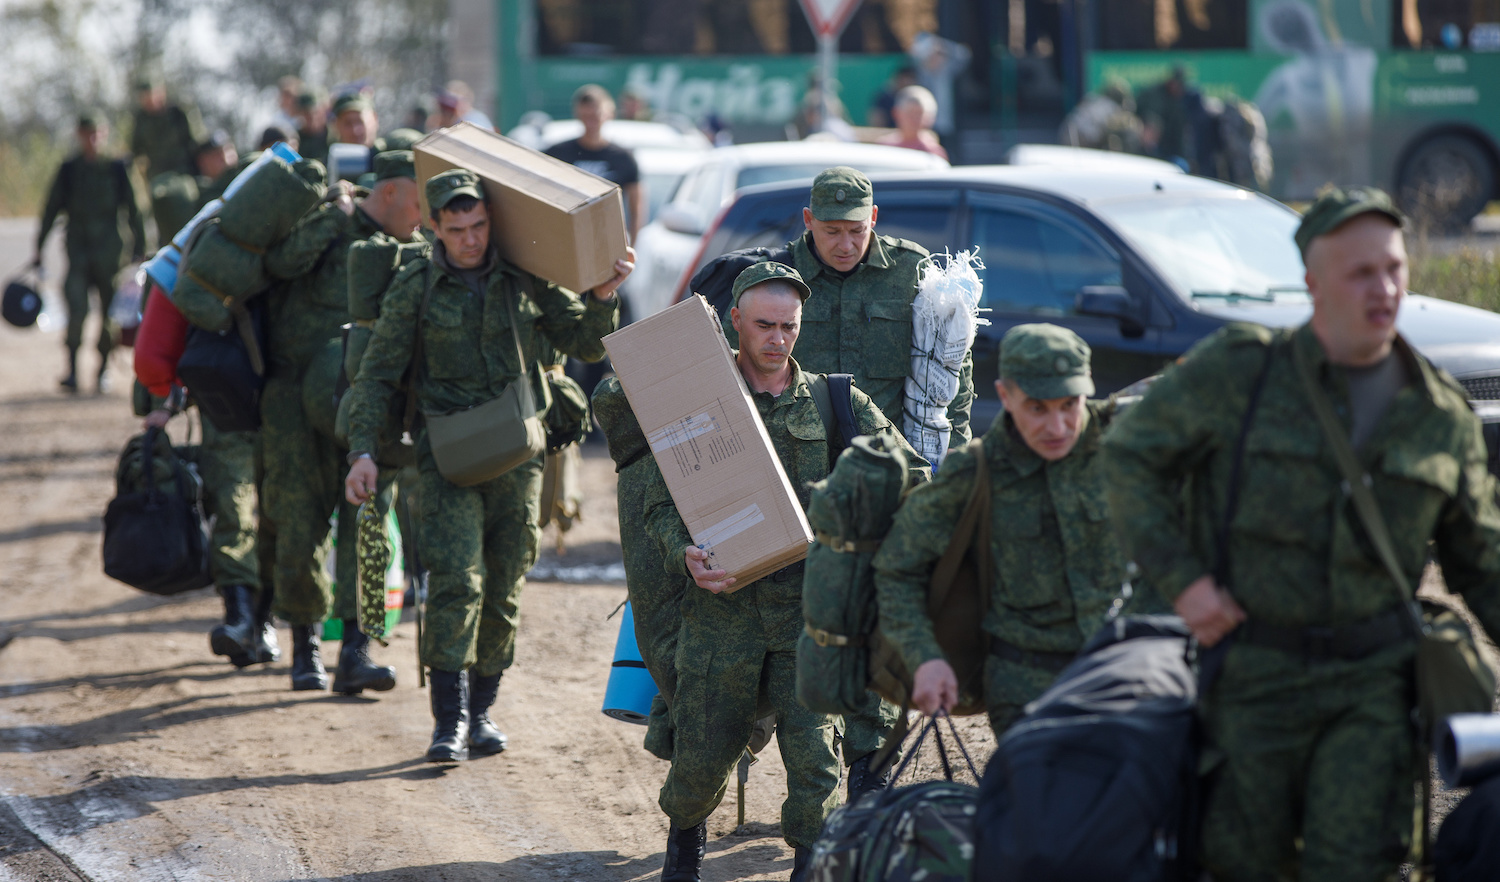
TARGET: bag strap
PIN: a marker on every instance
(243, 321)
(410, 414)
(1356, 484)
(1232, 496)
(833, 394)
(975, 518)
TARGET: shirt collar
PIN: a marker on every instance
(1417, 368)
(1025, 460)
(809, 266)
(440, 260)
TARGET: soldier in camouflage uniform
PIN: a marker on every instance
(1057, 567)
(477, 542)
(164, 136)
(304, 466)
(858, 321)
(730, 646)
(354, 122)
(94, 192)
(1313, 707)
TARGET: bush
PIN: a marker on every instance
(1469, 274)
(27, 166)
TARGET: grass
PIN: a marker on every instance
(1468, 274)
(28, 163)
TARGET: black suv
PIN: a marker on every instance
(1141, 264)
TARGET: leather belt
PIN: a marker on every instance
(1052, 662)
(789, 572)
(1324, 643)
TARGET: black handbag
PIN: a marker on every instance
(155, 536)
(225, 371)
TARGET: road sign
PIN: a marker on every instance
(828, 17)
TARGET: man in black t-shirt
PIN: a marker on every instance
(593, 107)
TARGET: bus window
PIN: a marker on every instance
(1445, 24)
(1175, 24)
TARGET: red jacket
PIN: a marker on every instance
(159, 343)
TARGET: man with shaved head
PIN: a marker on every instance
(1312, 709)
(737, 641)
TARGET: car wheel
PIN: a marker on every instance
(1445, 182)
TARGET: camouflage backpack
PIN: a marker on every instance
(919, 833)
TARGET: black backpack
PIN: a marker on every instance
(225, 370)
(155, 535)
(1468, 843)
(715, 281)
(1100, 779)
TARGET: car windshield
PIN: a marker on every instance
(774, 174)
(1235, 247)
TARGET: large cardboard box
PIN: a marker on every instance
(681, 380)
(547, 217)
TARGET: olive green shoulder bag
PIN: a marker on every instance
(1452, 677)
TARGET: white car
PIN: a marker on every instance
(666, 246)
(1080, 158)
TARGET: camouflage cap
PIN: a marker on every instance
(449, 185)
(395, 164)
(1336, 207)
(403, 139)
(1046, 361)
(350, 101)
(841, 193)
(621, 429)
(767, 271)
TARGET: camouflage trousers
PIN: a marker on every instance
(477, 544)
(90, 268)
(731, 648)
(1319, 767)
(226, 461)
(302, 488)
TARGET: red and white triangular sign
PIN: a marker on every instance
(828, 17)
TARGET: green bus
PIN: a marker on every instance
(748, 62)
(1401, 94)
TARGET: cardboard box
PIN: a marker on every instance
(547, 217)
(713, 450)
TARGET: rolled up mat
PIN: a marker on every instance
(268, 198)
(163, 268)
(628, 695)
(219, 264)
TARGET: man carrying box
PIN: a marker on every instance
(477, 541)
(733, 644)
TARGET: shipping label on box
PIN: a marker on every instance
(678, 373)
(547, 217)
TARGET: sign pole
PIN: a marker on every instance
(828, 18)
(828, 64)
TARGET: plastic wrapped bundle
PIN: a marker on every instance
(945, 315)
(263, 203)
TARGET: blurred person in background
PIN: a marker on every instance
(879, 114)
(164, 135)
(635, 105)
(355, 122)
(99, 197)
(455, 104)
(1104, 120)
(288, 90)
(593, 106)
(914, 111)
(312, 125)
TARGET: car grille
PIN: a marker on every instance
(1482, 388)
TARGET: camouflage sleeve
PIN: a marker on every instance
(1149, 449)
(575, 325)
(387, 356)
(962, 403)
(53, 207)
(923, 526)
(871, 421)
(1468, 536)
(309, 240)
(666, 527)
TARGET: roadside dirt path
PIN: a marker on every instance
(129, 752)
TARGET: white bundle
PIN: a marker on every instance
(944, 317)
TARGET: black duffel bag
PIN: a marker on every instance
(1099, 780)
(155, 535)
(225, 371)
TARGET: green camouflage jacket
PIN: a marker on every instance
(314, 259)
(801, 443)
(468, 353)
(1297, 555)
(93, 194)
(1057, 564)
(167, 140)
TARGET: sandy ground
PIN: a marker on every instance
(129, 752)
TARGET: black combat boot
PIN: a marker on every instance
(236, 636)
(70, 382)
(267, 649)
(484, 736)
(862, 779)
(356, 672)
(450, 712)
(801, 858)
(685, 853)
(307, 661)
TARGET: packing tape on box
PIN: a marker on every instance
(681, 431)
(731, 526)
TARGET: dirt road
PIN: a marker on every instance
(129, 752)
